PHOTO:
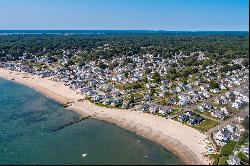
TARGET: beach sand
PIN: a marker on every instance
(183, 141)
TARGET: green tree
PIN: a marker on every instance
(213, 85)
(156, 76)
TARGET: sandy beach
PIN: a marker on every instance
(182, 140)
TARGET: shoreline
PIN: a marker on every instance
(181, 140)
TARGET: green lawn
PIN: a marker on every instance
(205, 113)
(216, 158)
(206, 125)
(223, 160)
(103, 105)
(243, 157)
(175, 111)
(227, 149)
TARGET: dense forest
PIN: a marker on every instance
(230, 45)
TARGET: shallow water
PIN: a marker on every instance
(27, 120)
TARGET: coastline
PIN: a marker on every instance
(181, 140)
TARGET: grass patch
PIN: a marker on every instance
(244, 138)
(175, 111)
(137, 95)
(216, 158)
(206, 125)
(120, 86)
(223, 160)
(103, 105)
(243, 157)
(227, 149)
(206, 113)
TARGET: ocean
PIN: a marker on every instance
(29, 135)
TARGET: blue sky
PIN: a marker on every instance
(187, 15)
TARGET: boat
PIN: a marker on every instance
(84, 155)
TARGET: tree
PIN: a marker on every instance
(81, 63)
(102, 65)
(245, 123)
(245, 62)
(113, 65)
(156, 76)
(131, 98)
(213, 85)
(147, 70)
(126, 74)
(228, 68)
(128, 60)
(69, 63)
(152, 91)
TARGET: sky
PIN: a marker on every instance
(171, 15)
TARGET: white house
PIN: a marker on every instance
(237, 104)
(233, 160)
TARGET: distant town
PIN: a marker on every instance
(200, 88)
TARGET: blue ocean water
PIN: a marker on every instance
(27, 136)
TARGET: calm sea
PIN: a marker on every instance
(27, 136)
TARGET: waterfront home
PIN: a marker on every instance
(115, 102)
(183, 117)
(164, 110)
(222, 137)
(106, 101)
(194, 120)
(85, 90)
(1, 65)
(230, 132)
(91, 93)
(153, 109)
(97, 98)
(125, 104)
(142, 108)
(233, 160)
(75, 85)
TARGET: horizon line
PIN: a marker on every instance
(124, 30)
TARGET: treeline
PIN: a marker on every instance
(164, 44)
